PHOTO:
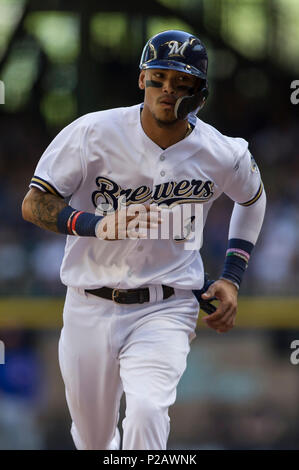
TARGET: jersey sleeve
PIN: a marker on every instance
(243, 184)
(60, 169)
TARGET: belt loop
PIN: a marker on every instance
(152, 293)
(81, 291)
(159, 293)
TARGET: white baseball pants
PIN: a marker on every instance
(106, 349)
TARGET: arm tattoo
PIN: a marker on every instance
(45, 208)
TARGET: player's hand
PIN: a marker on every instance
(223, 319)
(129, 222)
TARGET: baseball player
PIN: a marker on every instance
(132, 300)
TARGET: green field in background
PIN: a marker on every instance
(253, 312)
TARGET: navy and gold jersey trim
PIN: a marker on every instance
(255, 198)
(43, 184)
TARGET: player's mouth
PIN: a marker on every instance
(167, 103)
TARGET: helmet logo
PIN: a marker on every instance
(176, 48)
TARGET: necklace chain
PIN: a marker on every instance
(189, 130)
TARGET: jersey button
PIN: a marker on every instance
(162, 173)
(140, 248)
(162, 158)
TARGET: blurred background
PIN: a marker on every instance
(61, 59)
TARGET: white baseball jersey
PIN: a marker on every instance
(106, 154)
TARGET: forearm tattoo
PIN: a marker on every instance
(44, 208)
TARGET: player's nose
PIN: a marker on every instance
(168, 86)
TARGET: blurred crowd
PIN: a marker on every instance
(29, 257)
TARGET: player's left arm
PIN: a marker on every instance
(246, 221)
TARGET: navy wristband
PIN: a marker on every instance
(73, 222)
(236, 260)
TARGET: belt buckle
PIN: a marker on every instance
(115, 295)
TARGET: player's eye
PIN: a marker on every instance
(183, 81)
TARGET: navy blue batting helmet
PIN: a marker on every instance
(175, 50)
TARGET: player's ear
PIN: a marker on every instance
(141, 80)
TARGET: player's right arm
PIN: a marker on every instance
(50, 212)
(42, 209)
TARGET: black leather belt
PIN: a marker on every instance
(128, 296)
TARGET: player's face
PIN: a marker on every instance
(162, 89)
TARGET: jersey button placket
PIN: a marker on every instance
(162, 171)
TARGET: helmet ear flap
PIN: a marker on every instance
(193, 103)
